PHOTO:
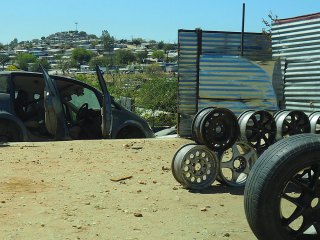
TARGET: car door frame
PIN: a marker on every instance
(106, 109)
(54, 112)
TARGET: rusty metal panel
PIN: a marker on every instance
(296, 41)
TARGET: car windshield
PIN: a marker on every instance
(86, 96)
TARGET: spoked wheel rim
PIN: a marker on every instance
(291, 123)
(219, 129)
(258, 128)
(299, 203)
(195, 166)
(315, 122)
(236, 163)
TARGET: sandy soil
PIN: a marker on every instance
(69, 190)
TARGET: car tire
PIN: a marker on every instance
(285, 178)
(130, 133)
(9, 132)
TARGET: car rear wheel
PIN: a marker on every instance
(130, 132)
(9, 132)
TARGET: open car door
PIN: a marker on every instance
(106, 111)
(54, 114)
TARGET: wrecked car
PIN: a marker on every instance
(39, 107)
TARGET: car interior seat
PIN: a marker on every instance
(23, 110)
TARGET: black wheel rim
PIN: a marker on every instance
(258, 128)
(219, 129)
(299, 203)
(195, 126)
(291, 123)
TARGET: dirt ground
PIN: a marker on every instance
(70, 190)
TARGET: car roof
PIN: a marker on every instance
(26, 73)
(37, 74)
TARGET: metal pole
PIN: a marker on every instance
(242, 31)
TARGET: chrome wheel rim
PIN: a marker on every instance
(195, 166)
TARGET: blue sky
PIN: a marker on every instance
(148, 19)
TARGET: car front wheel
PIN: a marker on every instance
(130, 132)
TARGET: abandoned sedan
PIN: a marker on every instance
(39, 107)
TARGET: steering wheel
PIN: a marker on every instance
(82, 112)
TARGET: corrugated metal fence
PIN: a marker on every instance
(296, 41)
(211, 73)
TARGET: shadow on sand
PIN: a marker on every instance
(218, 189)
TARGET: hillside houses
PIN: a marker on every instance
(59, 46)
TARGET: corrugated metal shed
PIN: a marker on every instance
(256, 45)
(302, 85)
(211, 73)
(235, 83)
(187, 90)
(296, 41)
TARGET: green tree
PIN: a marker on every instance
(24, 59)
(137, 41)
(82, 34)
(4, 58)
(1, 46)
(154, 69)
(160, 45)
(35, 67)
(107, 41)
(141, 56)
(159, 55)
(13, 43)
(268, 22)
(81, 55)
(159, 94)
(92, 36)
(12, 68)
(63, 64)
(102, 61)
(167, 47)
(124, 57)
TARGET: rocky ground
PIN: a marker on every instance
(109, 189)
